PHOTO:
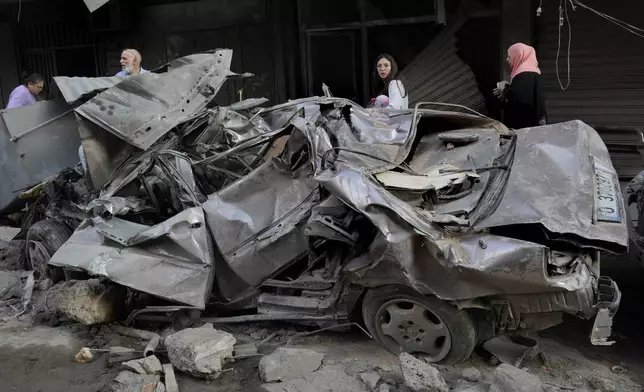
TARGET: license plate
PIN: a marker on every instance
(607, 204)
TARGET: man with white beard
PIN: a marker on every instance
(131, 63)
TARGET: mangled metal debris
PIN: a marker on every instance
(297, 210)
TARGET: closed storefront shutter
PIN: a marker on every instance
(606, 73)
(439, 75)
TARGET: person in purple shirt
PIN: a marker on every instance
(25, 94)
(131, 63)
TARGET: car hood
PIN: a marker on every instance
(554, 182)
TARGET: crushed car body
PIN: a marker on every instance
(316, 207)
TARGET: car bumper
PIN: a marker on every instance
(608, 300)
(539, 311)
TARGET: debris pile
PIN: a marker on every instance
(289, 363)
(200, 351)
(90, 302)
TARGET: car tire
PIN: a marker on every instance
(403, 320)
(43, 240)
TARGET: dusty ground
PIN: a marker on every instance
(40, 358)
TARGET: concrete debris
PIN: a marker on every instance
(200, 351)
(328, 378)
(12, 255)
(601, 384)
(91, 302)
(288, 363)
(471, 387)
(10, 285)
(370, 379)
(385, 388)
(421, 376)
(169, 378)
(127, 381)
(84, 355)
(147, 365)
(507, 378)
(472, 374)
(8, 233)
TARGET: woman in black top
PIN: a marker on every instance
(523, 99)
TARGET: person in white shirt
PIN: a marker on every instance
(387, 86)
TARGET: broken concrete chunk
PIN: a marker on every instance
(169, 378)
(90, 301)
(147, 365)
(370, 379)
(200, 351)
(10, 285)
(421, 376)
(127, 381)
(289, 363)
(601, 384)
(472, 374)
(507, 378)
(328, 378)
(385, 388)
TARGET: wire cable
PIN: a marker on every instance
(19, 9)
(626, 26)
(563, 9)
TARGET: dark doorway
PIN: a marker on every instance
(332, 61)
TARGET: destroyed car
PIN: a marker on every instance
(439, 229)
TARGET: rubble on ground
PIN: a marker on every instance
(12, 254)
(147, 365)
(421, 376)
(200, 351)
(288, 363)
(370, 379)
(10, 285)
(507, 378)
(128, 381)
(328, 378)
(169, 378)
(90, 302)
(472, 374)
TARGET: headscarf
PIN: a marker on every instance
(523, 58)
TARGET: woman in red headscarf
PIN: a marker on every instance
(523, 100)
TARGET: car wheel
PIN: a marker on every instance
(403, 320)
(43, 240)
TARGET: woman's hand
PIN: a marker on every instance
(500, 88)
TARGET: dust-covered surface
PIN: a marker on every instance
(41, 357)
(12, 255)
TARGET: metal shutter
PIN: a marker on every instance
(437, 74)
(607, 75)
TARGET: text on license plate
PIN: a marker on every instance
(607, 205)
